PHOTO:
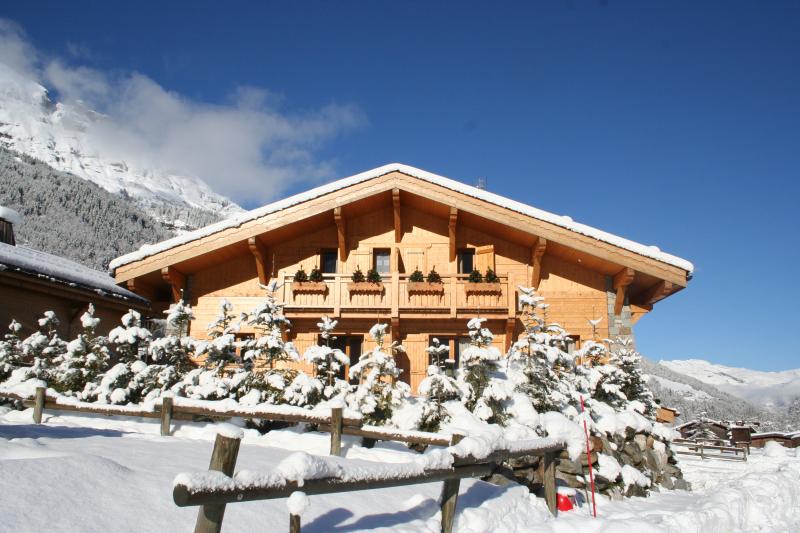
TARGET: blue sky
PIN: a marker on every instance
(670, 123)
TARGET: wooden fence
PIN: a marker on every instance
(168, 409)
(709, 451)
(212, 501)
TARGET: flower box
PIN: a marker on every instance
(425, 287)
(483, 288)
(309, 286)
(365, 287)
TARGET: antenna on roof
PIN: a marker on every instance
(481, 183)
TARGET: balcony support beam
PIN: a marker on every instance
(398, 224)
(622, 280)
(537, 252)
(176, 281)
(341, 232)
(452, 232)
(259, 252)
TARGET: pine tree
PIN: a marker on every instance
(130, 340)
(221, 349)
(269, 346)
(175, 350)
(633, 384)
(436, 389)
(377, 394)
(85, 358)
(484, 389)
(10, 350)
(328, 361)
(44, 347)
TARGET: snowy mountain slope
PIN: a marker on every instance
(768, 389)
(60, 135)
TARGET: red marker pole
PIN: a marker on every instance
(589, 458)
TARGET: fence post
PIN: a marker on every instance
(166, 415)
(294, 523)
(38, 405)
(549, 481)
(702, 458)
(223, 459)
(450, 494)
(336, 432)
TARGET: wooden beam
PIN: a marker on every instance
(176, 280)
(622, 280)
(341, 232)
(452, 231)
(398, 225)
(537, 252)
(654, 293)
(259, 252)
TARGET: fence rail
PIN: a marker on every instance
(213, 500)
(710, 451)
(169, 409)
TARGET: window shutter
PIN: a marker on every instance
(414, 258)
(484, 258)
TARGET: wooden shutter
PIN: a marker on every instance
(484, 258)
(414, 258)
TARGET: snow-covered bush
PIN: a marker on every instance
(220, 349)
(131, 382)
(130, 340)
(328, 361)
(436, 389)
(10, 350)
(44, 347)
(85, 358)
(377, 394)
(633, 384)
(174, 350)
(269, 347)
(484, 387)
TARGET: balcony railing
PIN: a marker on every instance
(395, 296)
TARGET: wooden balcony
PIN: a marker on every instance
(454, 299)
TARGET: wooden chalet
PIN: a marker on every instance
(666, 415)
(32, 282)
(398, 219)
(789, 440)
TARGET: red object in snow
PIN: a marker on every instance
(563, 503)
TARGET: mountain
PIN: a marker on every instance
(71, 217)
(774, 390)
(695, 390)
(60, 135)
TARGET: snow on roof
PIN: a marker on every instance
(61, 270)
(9, 215)
(563, 221)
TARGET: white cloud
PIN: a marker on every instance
(248, 148)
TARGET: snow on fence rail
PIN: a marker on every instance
(301, 472)
(168, 408)
(702, 450)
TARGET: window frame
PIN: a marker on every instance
(382, 252)
(460, 254)
(325, 251)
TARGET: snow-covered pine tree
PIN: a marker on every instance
(436, 389)
(633, 384)
(220, 350)
(130, 340)
(175, 350)
(328, 361)
(44, 347)
(10, 350)
(485, 390)
(269, 346)
(538, 358)
(85, 358)
(377, 394)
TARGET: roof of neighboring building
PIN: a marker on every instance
(48, 267)
(651, 252)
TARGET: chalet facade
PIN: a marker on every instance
(32, 282)
(398, 219)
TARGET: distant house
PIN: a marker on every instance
(704, 430)
(32, 282)
(790, 440)
(667, 415)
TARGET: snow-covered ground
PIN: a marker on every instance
(84, 473)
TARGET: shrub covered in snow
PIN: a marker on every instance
(220, 349)
(484, 387)
(10, 350)
(129, 341)
(85, 358)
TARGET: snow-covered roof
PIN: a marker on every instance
(9, 215)
(60, 270)
(563, 221)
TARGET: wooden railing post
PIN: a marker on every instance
(223, 459)
(166, 415)
(294, 523)
(450, 494)
(337, 296)
(549, 481)
(38, 406)
(336, 431)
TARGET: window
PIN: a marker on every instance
(456, 345)
(466, 260)
(351, 346)
(381, 259)
(573, 343)
(328, 261)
